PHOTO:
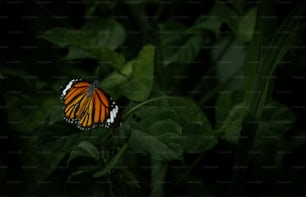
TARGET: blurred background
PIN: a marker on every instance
(211, 95)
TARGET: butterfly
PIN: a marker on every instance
(88, 106)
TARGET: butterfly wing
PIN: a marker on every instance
(106, 112)
(74, 97)
(88, 108)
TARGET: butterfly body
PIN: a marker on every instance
(88, 106)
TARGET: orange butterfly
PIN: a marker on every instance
(88, 106)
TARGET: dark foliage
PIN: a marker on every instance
(211, 95)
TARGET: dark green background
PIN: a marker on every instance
(211, 95)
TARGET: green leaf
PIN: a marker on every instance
(230, 64)
(257, 49)
(160, 140)
(111, 164)
(139, 86)
(158, 174)
(246, 26)
(118, 78)
(106, 33)
(63, 137)
(229, 109)
(196, 136)
(260, 64)
(228, 15)
(177, 43)
(82, 170)
(64, 37)
(77, 53)
(272, 57)
(231, 126)
(82, 40)
(230, 114)
(84, 149)
(106, 56)
(239, 5)
(207, 22)
(275, 121)
(171, 32)
(127, 178)
(185, 52)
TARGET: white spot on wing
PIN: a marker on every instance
(68, 86)
(112, 115)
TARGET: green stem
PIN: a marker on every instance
(245, 144)
(268, 64)
(186, 173)
(158, 173)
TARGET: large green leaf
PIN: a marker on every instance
(92, 41)
(228, 15)
(77, 53)
(229, 65)
(139, 85)
(106, 33)
(160, 140)
(207, 22)
(225, 102)
(118, 78)
(230, 114)
(177, 43)
(196, 134)
(84, 149)
(185, 52)
(275, 121)
(246, 25)
(231, 126)
(239, 5)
